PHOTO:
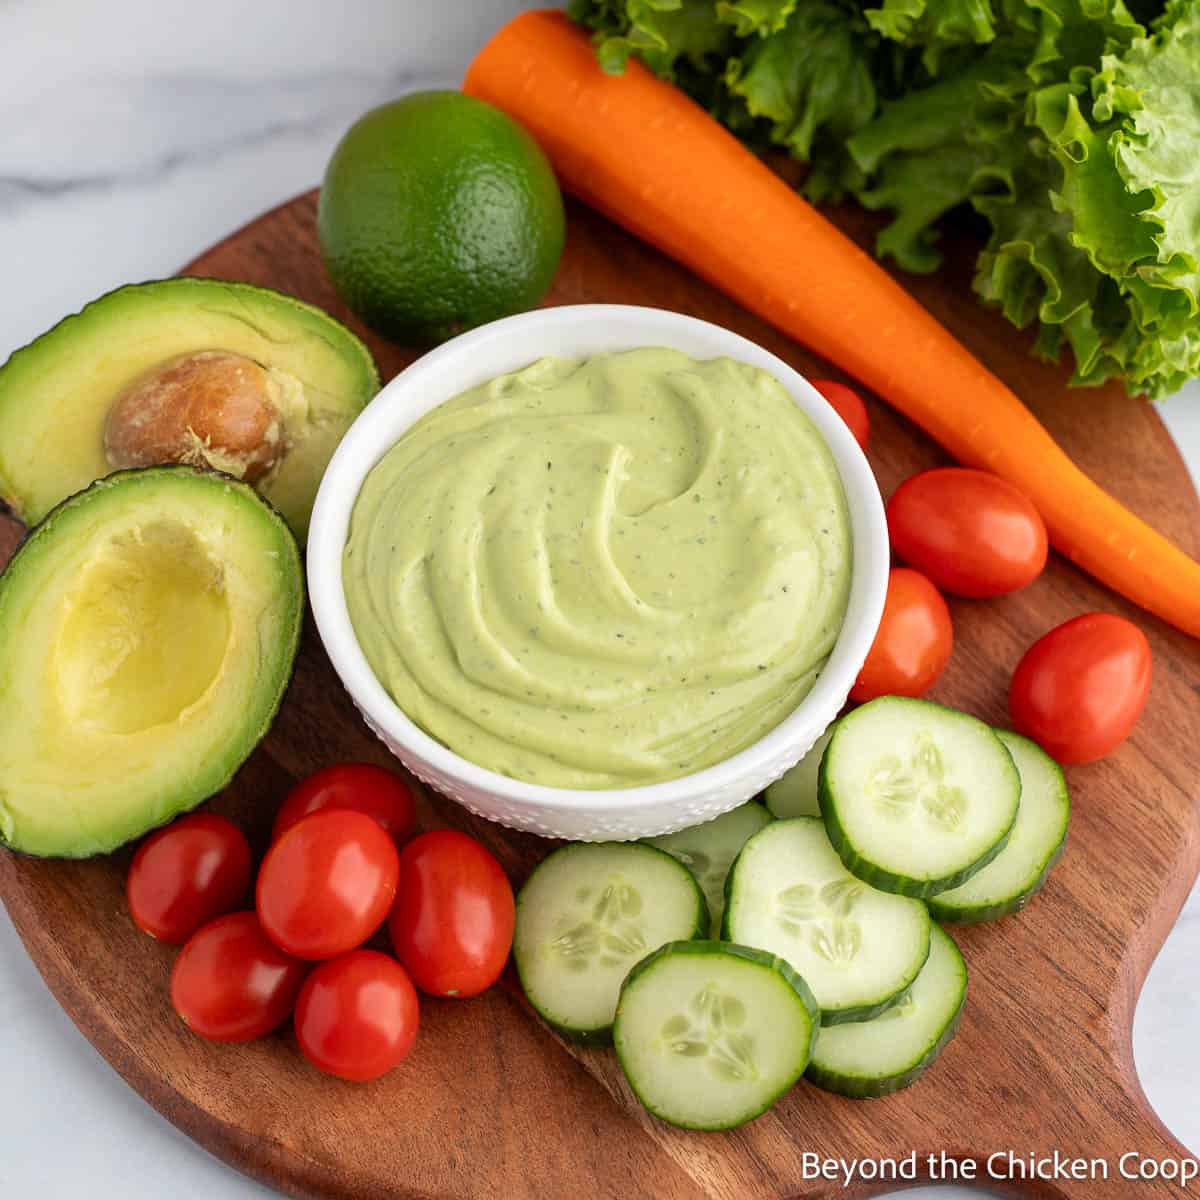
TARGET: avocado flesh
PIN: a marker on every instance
(148, 630)
(56, 392)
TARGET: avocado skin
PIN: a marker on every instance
(21, 372)
(289, 633)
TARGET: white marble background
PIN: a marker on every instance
(132, 134)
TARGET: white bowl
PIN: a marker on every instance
(579, 331)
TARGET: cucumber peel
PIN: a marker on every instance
(710, 1034)
(586, 915)
(879, 1057)
(1038, 839)
(917, 797)
(858, 948)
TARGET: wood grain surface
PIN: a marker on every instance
(490, 1104)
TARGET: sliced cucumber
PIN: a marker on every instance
(589, 912)
(794, 793)
(710, 1034)
(876, 1058)
(1005, 885)
(917, 798)
(859, 949)
(708, 851)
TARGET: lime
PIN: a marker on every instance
(439, 212)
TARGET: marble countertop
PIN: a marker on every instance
(136, 133)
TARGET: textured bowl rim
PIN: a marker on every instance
(578, 331)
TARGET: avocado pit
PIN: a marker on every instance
(210, 408)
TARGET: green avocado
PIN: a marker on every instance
(148, 629)
(177, 346)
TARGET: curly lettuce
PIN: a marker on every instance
(1071, 126)
(795, 74)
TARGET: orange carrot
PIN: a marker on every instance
(641, 152)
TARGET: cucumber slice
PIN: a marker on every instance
(859, 949)
(589, 912)
(1005, 885)
(917, 798)
(710, 1035)
(876, 1058)
(708, 851)
(794, 793)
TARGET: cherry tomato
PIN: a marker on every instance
(372, 790)
(187, 874)
(848, 405)
(357, 1015)
(913, 643)
(1080, 688)
(327, 884)
(971, 532)
(452, 925)
(231, 983)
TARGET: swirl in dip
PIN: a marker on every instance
(605, 573)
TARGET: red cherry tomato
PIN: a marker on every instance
(913, 643)
(971, 532)
(327, 884)
(357, 1015)
(231, 983)
(452, 925)
(848, 405)
(359, 786)
(1080, 688)
(187, 874)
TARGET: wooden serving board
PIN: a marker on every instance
(490, 1104)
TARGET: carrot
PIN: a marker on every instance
(641, 152)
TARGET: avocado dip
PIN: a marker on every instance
(605, 573)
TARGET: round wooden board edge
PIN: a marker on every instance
(276, 1166)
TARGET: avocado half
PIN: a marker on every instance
(148, 629)
(57, 394)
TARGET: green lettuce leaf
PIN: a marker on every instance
(762, 17)
(813, 75)
(968, 106)
(1072, 130)
(939, 147)
(1153, 91)
(1032, 269)
(1127, 142)
(934, 25)
(659, 32)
